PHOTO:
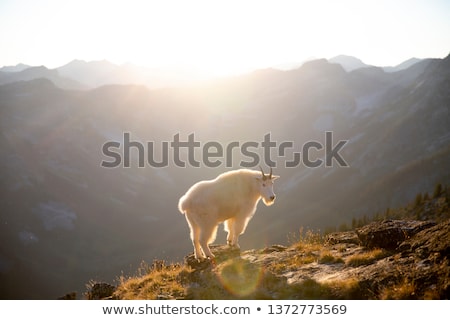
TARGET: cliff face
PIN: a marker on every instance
(393, 259)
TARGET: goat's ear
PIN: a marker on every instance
(275, 177)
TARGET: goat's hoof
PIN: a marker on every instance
(234, 246)
(212, 260)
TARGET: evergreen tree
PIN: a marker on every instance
(418, 200)
(437, 190)
(343, 227)
(387, 214)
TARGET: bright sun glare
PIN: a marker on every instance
(205, 36)
(229, 37)
(219, 37)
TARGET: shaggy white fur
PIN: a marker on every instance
(230, 198)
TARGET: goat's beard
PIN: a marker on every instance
(268, 202)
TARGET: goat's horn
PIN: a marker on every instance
(270, 175)
(262, 172)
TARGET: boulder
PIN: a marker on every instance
(389, 234)
(69, 296)
(100, 291)
(433, 241)
(342, 237)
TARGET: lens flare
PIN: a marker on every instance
(240, 277)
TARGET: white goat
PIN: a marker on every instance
(230, 198)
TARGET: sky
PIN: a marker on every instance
(221, 37)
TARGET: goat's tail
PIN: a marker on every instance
(183, 204)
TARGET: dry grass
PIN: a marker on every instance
(308, 238)
(366, 258)
(344, 289)
(327, 257)
(309, 248)
(337, 289)
(293, 262)
(405, 290)
(153, 282)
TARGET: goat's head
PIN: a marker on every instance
(265, 183)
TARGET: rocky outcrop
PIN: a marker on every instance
(384, 260)
(431, 241)
(69, 296)
(99, 291)
(389, 234)
(342, 237)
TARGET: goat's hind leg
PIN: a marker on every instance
(195, 237)
(198, 252)
(207, 236)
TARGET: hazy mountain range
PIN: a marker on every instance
(350, 63)
(79, 74)
(65, 219)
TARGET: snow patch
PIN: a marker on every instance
(27, 237)
(54, 215)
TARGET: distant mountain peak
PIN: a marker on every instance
(349, 63)
(17, 68)
(80, 63)
(76, 62)
(322, 66)
(402, 66)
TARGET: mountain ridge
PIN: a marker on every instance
(17, 68)
(349, 63)
(82, 75)
(32, 73)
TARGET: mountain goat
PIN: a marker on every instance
(230, 198)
